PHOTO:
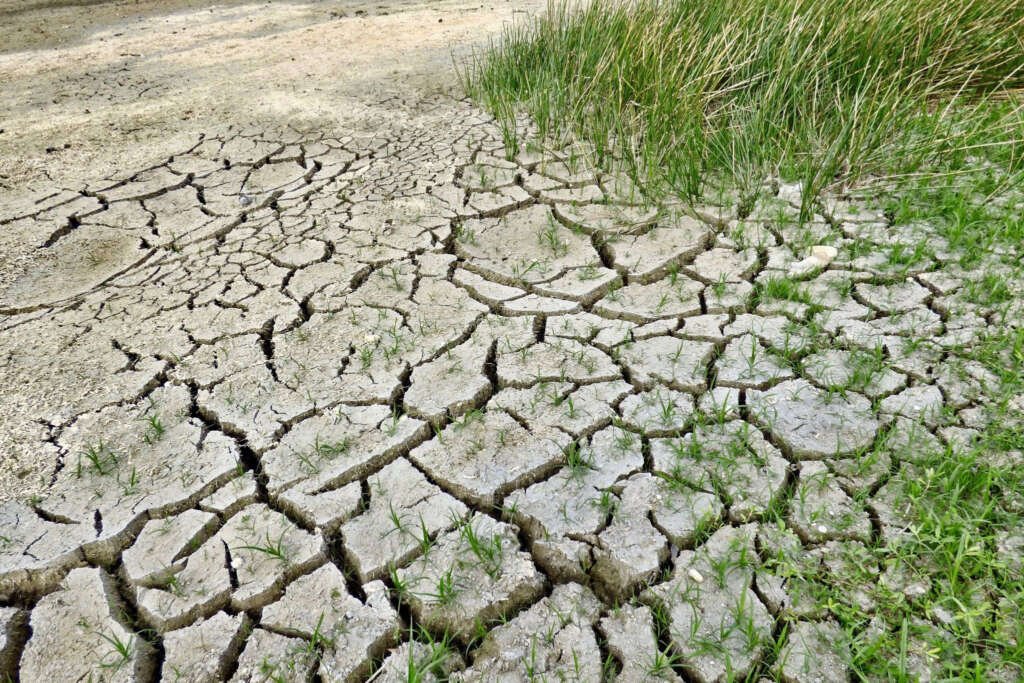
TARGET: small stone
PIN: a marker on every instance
(824, 253)
(820, 256)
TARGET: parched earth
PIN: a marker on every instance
(277, 396)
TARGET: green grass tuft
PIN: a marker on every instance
(688, 94)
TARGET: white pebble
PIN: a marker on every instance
(696, 576)
(824, 253)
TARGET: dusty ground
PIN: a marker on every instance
(103, 90)
(93, 89)
(292, 356)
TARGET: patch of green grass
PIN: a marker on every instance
(432, 661)
(959, 506)
(692, 93)
(964, 214)
(969, 617)
(578, 460)
(98, 459)
(489, 551)
(121, 651)
(155, 429)
(269, 547)
(914, 105)
(781, 288)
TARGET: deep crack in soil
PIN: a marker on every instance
(277, 386)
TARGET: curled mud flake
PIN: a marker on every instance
(821, 510)
(436, 661)
(659, 251)
(485, 455)
(558, 360)
(159, 550)
(127, 463)
(544, 248)
(450, 385)
(562, 515)
(630, 633)
(679, 364)
(36, 551)
(729, 458)
(745, 364)
(818, 257)
(245, 565)
(339, 446)
(670, 297)
(271, 656)
(652, 512)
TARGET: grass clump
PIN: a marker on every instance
(692, 93)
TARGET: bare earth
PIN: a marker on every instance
(293, 355)
(105, 90)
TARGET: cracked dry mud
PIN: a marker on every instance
(291, 391)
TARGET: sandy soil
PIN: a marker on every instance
(95, 88)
